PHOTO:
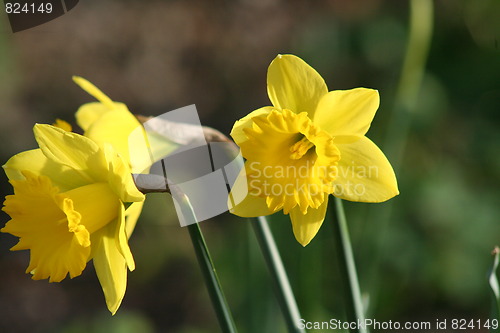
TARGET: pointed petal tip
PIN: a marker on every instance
(80, 81)
(306, 226)
(92, 90)
(38, 129)
(114, 308)
(39, 126)
(394, 194)
(281, 56)
(77, 78)
(304, 242)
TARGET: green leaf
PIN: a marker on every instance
(495, 289)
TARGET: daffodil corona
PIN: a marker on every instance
(311, 143)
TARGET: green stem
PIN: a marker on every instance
(282, 286)
(417, 50)
(354, 304)
(412, 73)
(206, 265)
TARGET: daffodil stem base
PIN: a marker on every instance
(211, 280)
(283, 289)
(347, 267)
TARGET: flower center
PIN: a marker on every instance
(290, 161)
(300, 148)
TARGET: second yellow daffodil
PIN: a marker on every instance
(68, 208)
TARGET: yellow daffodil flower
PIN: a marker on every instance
(309, 144)
(68, 208)
(110, 122)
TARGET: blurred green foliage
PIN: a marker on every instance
(429, 260)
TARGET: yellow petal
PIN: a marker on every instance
(237, 132)
(110, 265)
(293, 84)
(72, 150)
(93, 90)
(121, 236)
(245, 204)
(63, 125)
(35, 162)
(347, 112)
(120, 178)
(106, 121)
(306, 226)
(141, 150)
(89, 113)
(132, 214)
(251, 206)
(364, 173)
(114, 127)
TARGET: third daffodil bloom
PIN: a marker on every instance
(68, 207)
(311, 143)
(107, 122)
